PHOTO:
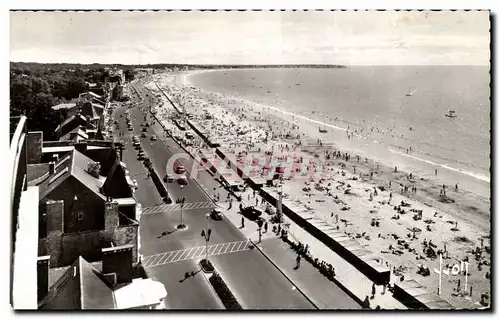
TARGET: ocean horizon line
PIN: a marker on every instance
(237, 65)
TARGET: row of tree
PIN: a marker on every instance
(35, 88)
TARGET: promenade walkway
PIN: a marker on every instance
(317, 287)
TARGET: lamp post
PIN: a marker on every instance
(207, 237)
(181, 225)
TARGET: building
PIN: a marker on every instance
(86, 204)
(73, 122)
(118, 92)
(92, 97)
(24, 221)
(107, 285)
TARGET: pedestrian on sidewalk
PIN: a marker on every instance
(230, 205)
(242, 222)
(373, 290)
(298, 262)
(256, 202)
(265, 227)
(366, 303)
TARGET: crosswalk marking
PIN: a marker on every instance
(193, 253)
(176, 207)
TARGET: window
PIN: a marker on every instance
(80, 216)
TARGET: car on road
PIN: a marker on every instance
(116, 121)
(182, 180)
(144, 129)
(143, 134)
(168, 178)
(216, 214)
(147, 124)
(153, 137)
(130, 128)
(180, 169)
(250, 212)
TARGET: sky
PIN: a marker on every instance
(330, 37)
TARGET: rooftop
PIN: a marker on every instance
(73, 165)
(97, 294)
(93, 290)
(63, 106)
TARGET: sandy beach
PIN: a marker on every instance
(405, 216)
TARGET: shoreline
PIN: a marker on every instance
(472, 181)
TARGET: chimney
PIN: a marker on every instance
(54, 216)
(42, 274)
(118, 260)
(55, 157)
(34, 147)
(111, 219)
(81, 147)
(87, 118)
(52, 168)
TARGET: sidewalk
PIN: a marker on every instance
(347, 274)
(324, 293)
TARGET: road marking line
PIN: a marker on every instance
(219, 249)
(173, 255)
(165, 257)
(153, 258)
(193, 253)
(210, 250)
(200, 253)
(232, 245)
(238, 248)
(194, 250)
(182, 257)
(224, 248)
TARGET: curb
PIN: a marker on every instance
(183, 148)
(283, 273)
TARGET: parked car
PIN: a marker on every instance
(250, 212)
(140, 156)
(144, 134)
(153, 137)
(144, 129)
(130, 128)
(182, 180)
(216, 214)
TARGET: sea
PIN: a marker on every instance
(399, 109)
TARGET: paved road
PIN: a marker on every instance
(201, 293)
(255, 281)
